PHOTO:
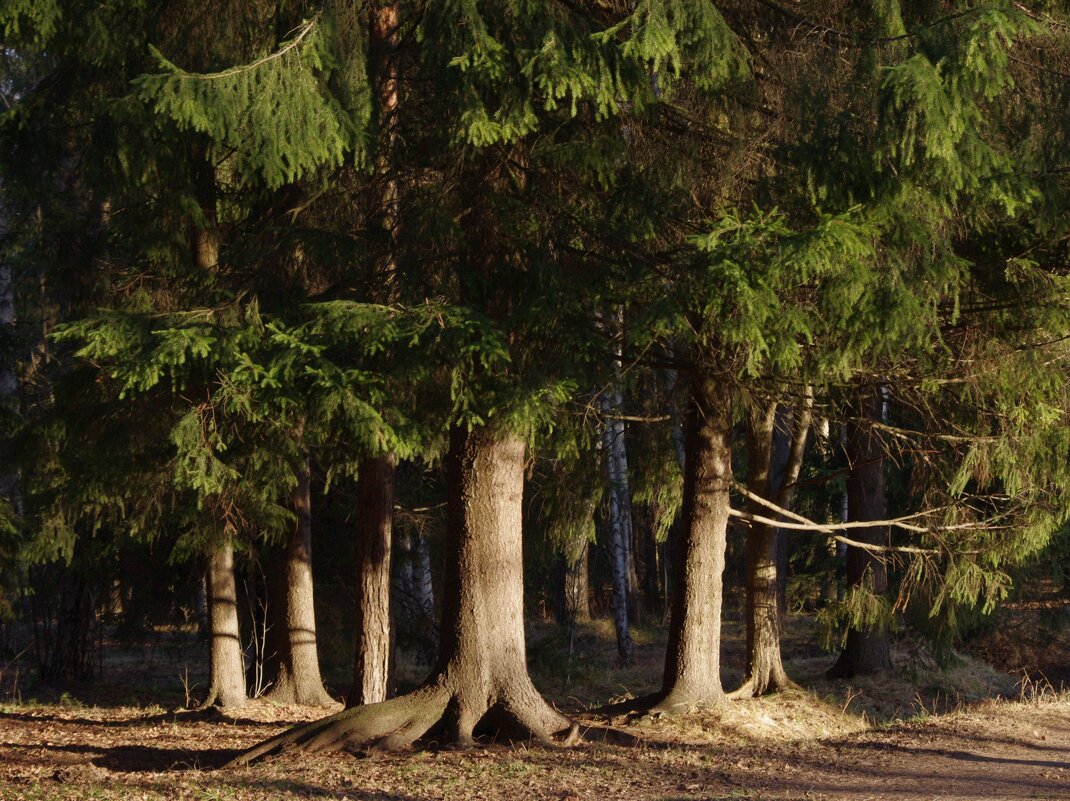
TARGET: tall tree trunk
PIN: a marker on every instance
(693, 660)
(867, 649)
(372, 674)
(297, 678)
(227, 672)
(786, 417)
(765, 669)
(481, 678)
(375, 515)
(620, 523)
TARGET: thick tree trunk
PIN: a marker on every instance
(620, 523)
(765, 669)
(867, 649)
(227, 673)
(481, 679)
(693, 661)
(375, 515)
(297, 679)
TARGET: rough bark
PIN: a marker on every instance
(227, 672)
(481, 679)
(297, 677)
(693, 660)
(765, 668)
(375, 515)
(867, 649)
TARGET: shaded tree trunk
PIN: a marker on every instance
(375, 515)
(297, 676)
(413, 588)
(227, 672)
(481, 679)
(867, 649)
(693, 660)
(765, 669)
(575, 564)
(620, 524)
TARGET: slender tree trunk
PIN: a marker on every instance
(375, 637)
(227, 672)
(693, 661)
(297, 679)
(867, 649)
(375, 499)
(786, 417)
(765, 669)
(620, 523)
(575, 561)
(481, 679)
(423, 585)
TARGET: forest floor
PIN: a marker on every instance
(969, 733)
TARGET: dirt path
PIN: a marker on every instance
(1001, 751)
(1006, 752)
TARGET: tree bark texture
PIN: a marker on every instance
(693, 660)
(227, 671)
(481, 679)
(867, 649)
(375, 515)
(372, 673)
(765, 668)
(297, 678)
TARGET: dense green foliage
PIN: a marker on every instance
(815, 199)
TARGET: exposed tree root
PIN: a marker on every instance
(433, 711)
(677, 703)
(658, 705)
(752, 688)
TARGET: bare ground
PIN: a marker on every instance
(923, 733)
(752, 750)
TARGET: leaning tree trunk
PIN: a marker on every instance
(867, 649)
(227, 681)
(481, 679)
(297, 678)
(693, 660)
(375, 515)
